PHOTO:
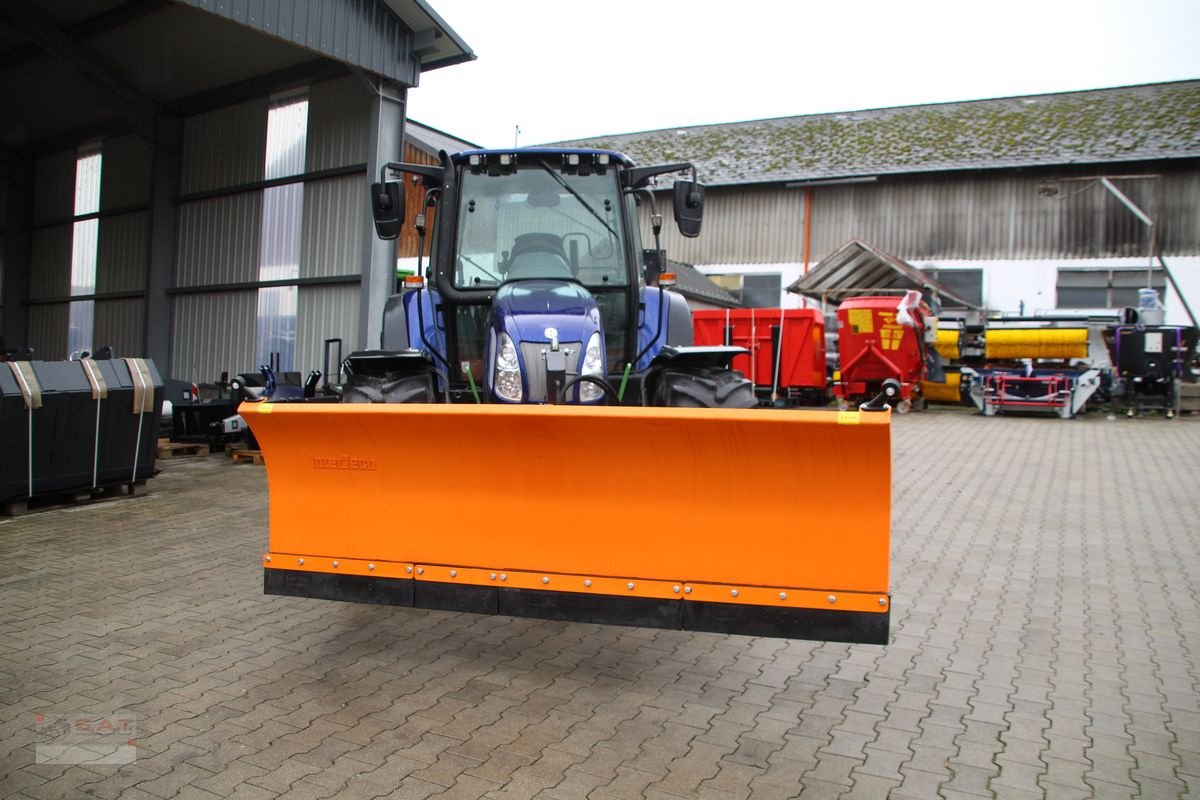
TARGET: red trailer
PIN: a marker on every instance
(875, 343)
(787, 350)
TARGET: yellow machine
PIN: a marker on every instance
(947, 391)
(1037, 343)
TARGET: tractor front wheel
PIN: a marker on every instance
(706, 387)
(390, 387)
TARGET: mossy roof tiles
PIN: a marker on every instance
(1135, 123)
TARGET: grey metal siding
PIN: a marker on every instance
(122, 253)
(125, 172)
(54, 186)
(337, 124)
(121, 323)
(224, 148)
(48, 331)
(359, 32)
(325, 312)
(750, 226)
(335, 217)
(214, 333)
(1179, 226)
(218, 240)
(944, 217)
(50, 263)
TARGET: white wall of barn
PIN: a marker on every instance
(1008, 285)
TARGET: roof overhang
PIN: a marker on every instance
(857, 268)
(75, 70)
(438, 44)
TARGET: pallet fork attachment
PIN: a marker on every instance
(735, 521)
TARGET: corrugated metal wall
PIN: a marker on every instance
(219, 233)
(122, 256)
(359, 32)
(50, 263)
(326, 312)
(751, 226)
(48, 331)
(120, 323)
(1003, 216)
(50, 253)
(123, 251)
(54, 187)
(335, 216)
(122, 247)
(128, 162)
(213, 333)
(336, 135)
(3, 227)
(217, 240)
(224, 148)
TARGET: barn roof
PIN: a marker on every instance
(1133, 123)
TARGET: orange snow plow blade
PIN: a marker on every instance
(757, 522)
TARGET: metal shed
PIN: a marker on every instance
(857, 268)
(187, 180)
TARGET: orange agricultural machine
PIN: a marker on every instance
(542, 436)
(881, 339)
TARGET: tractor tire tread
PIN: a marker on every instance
(707, 387)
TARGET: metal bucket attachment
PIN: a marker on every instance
(766, 523)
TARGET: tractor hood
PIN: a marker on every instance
(525, 309)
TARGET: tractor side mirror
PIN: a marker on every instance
(387, 206)
(689, 207)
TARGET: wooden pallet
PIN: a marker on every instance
(177, 449)
(244, 456)
(16, 508)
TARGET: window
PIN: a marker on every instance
(279, 243)
(1105, 288)
(538, 222)
(84, 242)
(966, 283)
(752, 290)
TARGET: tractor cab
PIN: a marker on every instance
(537, 287)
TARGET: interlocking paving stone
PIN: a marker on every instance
(1045, 631)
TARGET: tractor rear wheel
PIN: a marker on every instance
(706, 387)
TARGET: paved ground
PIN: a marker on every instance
(1046, 643)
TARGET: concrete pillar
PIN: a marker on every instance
(17, 252)
(386, 143)
(160, 271)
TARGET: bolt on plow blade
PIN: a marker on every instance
(756, 522)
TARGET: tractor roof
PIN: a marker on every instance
(546, 152)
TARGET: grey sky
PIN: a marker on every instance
(565, 69)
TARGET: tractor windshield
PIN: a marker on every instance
(537, 222)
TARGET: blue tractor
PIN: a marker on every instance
(538, 288)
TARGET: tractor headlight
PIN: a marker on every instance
(593, 364)
(508, 370)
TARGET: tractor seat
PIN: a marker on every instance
(535, 264)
